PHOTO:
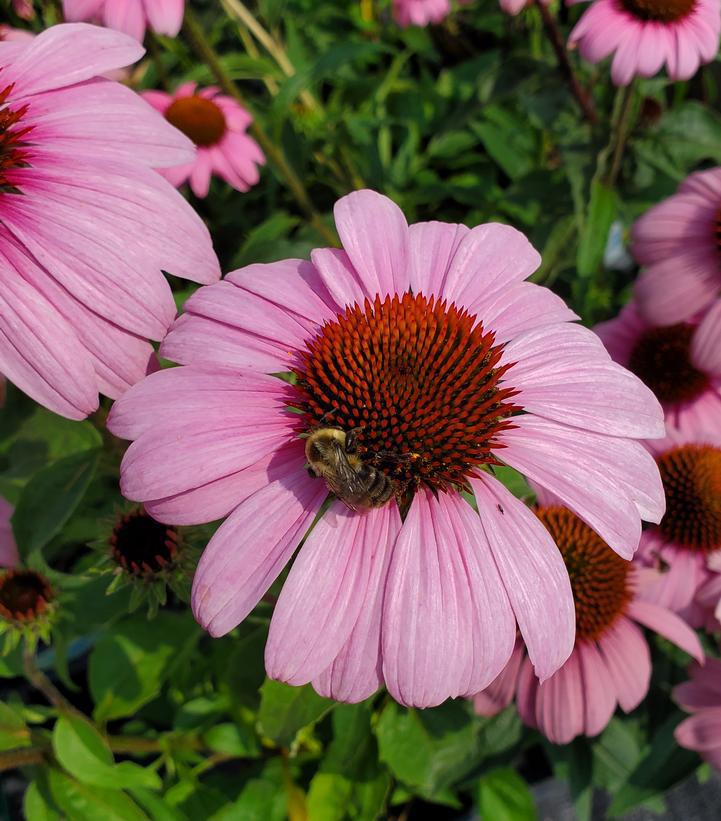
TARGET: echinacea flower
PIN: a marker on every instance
(420, 12)
(679, 242)
(643, 35)
(86, 225)
(216, 124)
(610, 664)
(675, 555)
(27, 608)
(24, 9)
(426, 344)
(701, 696)
(131, 17)
(8, 548)
(681, 363)
(516, 6)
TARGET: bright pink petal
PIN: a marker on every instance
(165, 16)
(68, 53)
(599, 692)
(560, 703)
(339, 277)
(432, 247)
(252, 546)
(127, 16)
(533, 573)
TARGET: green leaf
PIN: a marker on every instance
(49, 499)
(328, 797)
(264, 797)
(232, 739)
(156, 806)
(13, 730)
(504, 796)
(81, 802)
(664, 765)
(284, 710)
(602, 210)
(84, 753)
(128, 666)
(36, 805)
(615, 754)
(428, 749)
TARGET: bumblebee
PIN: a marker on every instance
(332, 455)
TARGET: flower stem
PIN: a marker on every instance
(583, 98)
(275, 155)
(623, 120)
(42, 683)
(21, 757)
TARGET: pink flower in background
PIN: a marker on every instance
(643, 35)
(420, 12)
(8, 549)
(129, 16)
(428, 344)
(701, 695)
(24, 9)
(679, 240)
(610, 664)
(680, 557)
(516, 6)
(681, 363)
(216, 124)
(9, 33)
(86, 225)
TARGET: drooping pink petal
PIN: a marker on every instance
(356, 672)
(668, 625)
(323, 595)
(165, 16)
(533, 573)
(599, 695)
(500, 692)
(250, 549)
(560, 703)
(127, 16)
(706, 342)
(625, 651)
(610, 483)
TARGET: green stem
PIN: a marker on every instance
(583, 98)
(42, 683)
(623, 122)
(274, 154)
(21, 757)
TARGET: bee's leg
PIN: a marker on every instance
(351, 439)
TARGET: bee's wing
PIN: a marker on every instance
(344, 481)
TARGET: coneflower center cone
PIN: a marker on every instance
(12, 132)
(599, 576)
(691, 477)
(660, 11)
(142, 546)
(199, 119)
(24, 595)
(661, 358)
(418, 380)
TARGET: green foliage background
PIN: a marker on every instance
(470, 121)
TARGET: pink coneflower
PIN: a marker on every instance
(424, 345)
(420, 12)
(680, 556)
(8, 549)
(701, 695)
(516, 6)
(610, 664)
(217, 125)
(131, 17)
(643, 35)
(24, 9)
(680, 241)
(86, 225)
(681, 363)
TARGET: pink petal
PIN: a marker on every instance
(706, 342)
(674, 290)
(252, 546)
(560, 703)
(127, 16)
(374, 234)
(322, 597)
(339, 277)
(599, 691)
(500, 692)
(625, 651)
(610, 483)
(431, 609)
(668, 625)
(533, 573)
(432, 246)
(489, 259)
(68, 53)
(701, 732)
(356, 672)
(8, 549)
(165, 16)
